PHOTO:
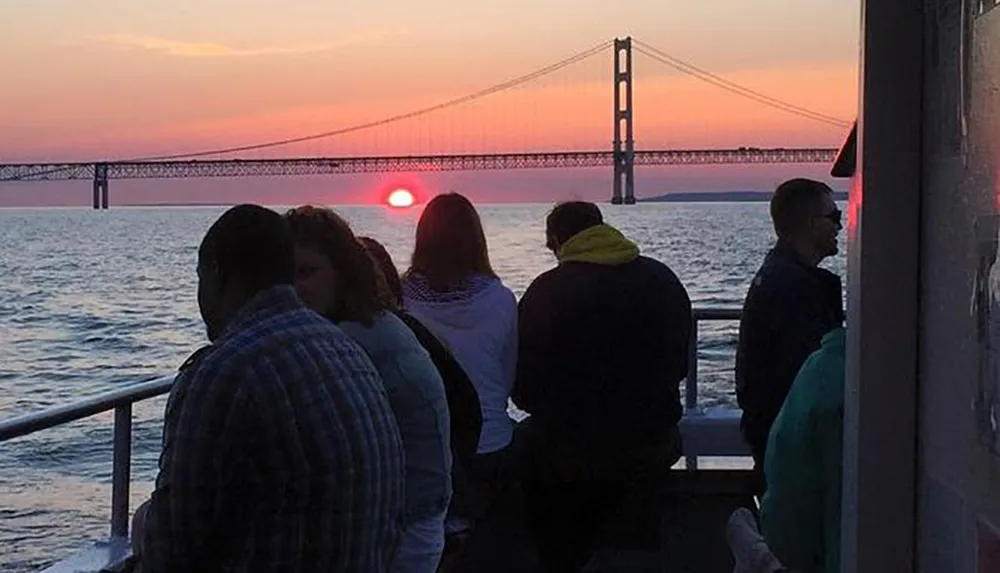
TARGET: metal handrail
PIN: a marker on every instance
(59, 415)
(121, 401)
(691, 382)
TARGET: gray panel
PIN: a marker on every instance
(944, 546)
(960, 286)
(983, 125)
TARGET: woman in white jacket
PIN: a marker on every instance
(452, 289)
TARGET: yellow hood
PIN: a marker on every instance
(601, 244)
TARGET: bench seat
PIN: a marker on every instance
(109, 556)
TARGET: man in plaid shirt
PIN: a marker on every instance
(280, 450)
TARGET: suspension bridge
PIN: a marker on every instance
(623, 156)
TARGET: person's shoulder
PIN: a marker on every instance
(195, 359)
(501, 293)
(314, 347)
(655, 268)
(551, 275)
(199, 365)
(273, 335)
(829, 367)
(779, 270)
(209, 370)
(412, 322)
(212, 360)
(388, 329)
(655, 275)
(547, 285)
(391, 321)
(292, 320)
(818, 389)
(778, 278)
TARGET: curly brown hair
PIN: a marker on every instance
(377, 251)
(361, 291)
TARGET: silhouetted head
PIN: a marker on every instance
(334, 275)
(247, 250)
(389, 271)
(806, 218)
(450, 246)
(568, 219)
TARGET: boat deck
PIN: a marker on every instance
(694, 503)
(694, 507)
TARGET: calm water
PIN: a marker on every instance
(93, 300)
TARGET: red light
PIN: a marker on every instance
(400, 198)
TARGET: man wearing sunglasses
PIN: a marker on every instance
(791, 305)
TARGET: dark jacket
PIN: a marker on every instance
(603, 345)
(788, 309)
(463, 401)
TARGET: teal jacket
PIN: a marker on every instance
(800, 513)
(417, 397)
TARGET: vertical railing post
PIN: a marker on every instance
(691, 384)
(121, 470)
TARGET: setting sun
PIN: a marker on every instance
(400, 198)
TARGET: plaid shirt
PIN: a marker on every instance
(280, 453)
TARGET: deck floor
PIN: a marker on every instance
(694, 508)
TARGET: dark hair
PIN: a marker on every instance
(361, 291)
(450, 245)
(252, 245)
(382, 258)
(794, 202)
(569, 218)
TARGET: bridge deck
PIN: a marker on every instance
(182, 169)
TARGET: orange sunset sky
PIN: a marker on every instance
(106, 79)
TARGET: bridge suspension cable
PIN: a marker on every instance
(520, 80)
(720, 82)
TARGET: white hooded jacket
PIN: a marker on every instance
(478, 324)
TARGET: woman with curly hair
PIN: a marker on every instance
(336, 277)
(463, 402)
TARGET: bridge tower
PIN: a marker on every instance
(100, 186)
(623, 157)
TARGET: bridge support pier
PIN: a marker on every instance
(100, 186)
(624, 146)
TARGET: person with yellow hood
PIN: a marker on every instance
(602, 349)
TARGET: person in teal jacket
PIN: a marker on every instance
(800, 512)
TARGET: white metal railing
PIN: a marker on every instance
(699, 315)
(705, 433)
(120, 401)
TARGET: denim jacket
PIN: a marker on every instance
(418, 400)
